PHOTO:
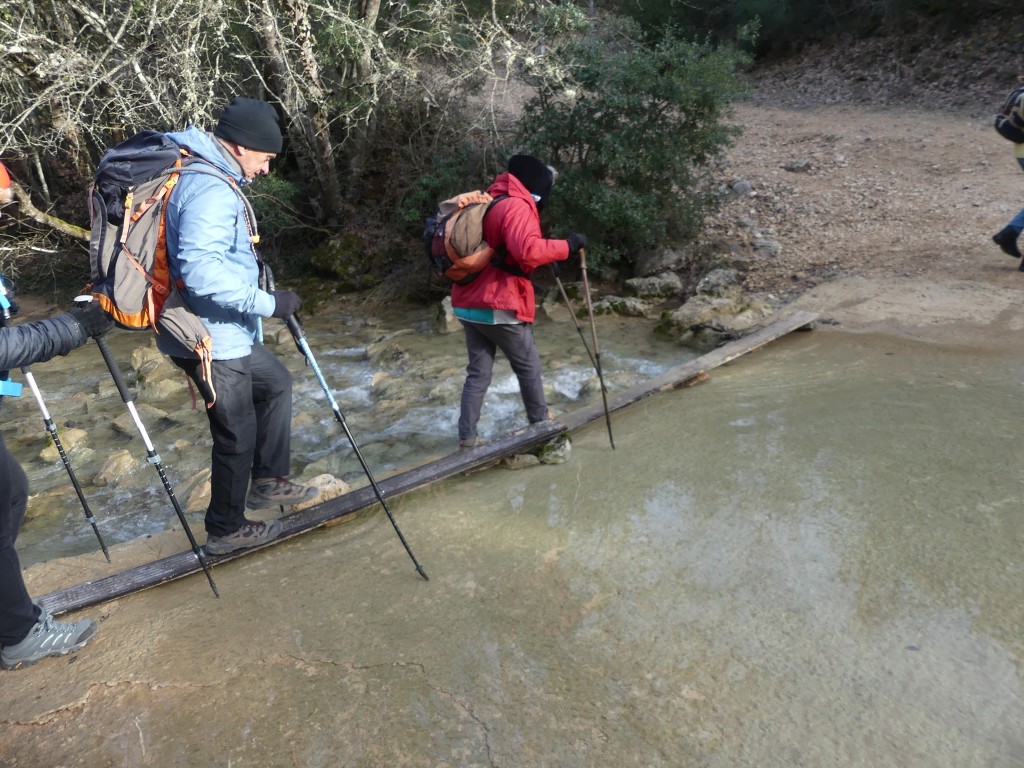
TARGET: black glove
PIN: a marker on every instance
(94, 321)
(287, 304)
(576, 241)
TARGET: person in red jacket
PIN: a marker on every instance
(497, 308)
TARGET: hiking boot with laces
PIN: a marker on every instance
(48, 637)
(251, 534)
(277, 492)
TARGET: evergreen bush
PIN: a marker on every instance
(632, 129)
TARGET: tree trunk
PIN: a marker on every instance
(295, 77)
(359, 138)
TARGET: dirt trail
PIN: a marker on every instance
(879, 193)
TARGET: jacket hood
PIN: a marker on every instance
(507, 184)
(205, 145)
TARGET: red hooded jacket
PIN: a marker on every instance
(515, 224)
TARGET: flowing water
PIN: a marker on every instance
(396, 379)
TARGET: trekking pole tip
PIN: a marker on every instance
(421, 572)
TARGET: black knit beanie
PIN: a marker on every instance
(252, 124)
(534, 175)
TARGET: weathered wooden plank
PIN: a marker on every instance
(185, 563)
(676, 377)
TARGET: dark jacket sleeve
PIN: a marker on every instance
(37, 342)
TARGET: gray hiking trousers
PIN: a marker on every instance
(517, 344)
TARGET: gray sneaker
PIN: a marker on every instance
(278, 491)
(251, 534)
(48, 637)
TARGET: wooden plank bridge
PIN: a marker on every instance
(185, 563)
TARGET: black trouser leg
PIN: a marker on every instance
(251, 428)
(17, 613)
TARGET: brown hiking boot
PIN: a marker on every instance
(278, 491)
(251, 534)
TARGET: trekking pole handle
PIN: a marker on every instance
(294, 326)
(583, 258)
(108, 356)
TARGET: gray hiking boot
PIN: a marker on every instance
(251, 534)
(465, 443)
(277, 492)
(48, 637)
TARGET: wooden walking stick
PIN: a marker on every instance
(597, 348)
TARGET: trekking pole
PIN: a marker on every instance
(151, 455)
(52, 429)
(5, 318)
(579, 328)
(597, 349)
(300, 341)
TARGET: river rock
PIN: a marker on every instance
(198, 490)
(661, 285)
(519, 461)
(662, 260)
(73, 440)
(330, 487)
(149, 416)
(152, 366)
(384, 386)
(50, 507)
(391, 408)
(448, 391)
(719, 311)
(554, 310)
(307, 420)
(147, 355)
(624, 306)
(555, 451)
(167, 388)
(120, 465)
(277, 337)
(385, 353)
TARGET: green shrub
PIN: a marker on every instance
(632, 129)
(275, 202)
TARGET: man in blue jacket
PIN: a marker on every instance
(211, 249)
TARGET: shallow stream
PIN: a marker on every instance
(396, 379)
(813, 559)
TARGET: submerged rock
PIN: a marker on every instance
(555, 451)
(119, 466)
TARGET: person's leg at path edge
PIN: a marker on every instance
(27, 633)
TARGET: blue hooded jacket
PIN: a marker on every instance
(208, 249)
